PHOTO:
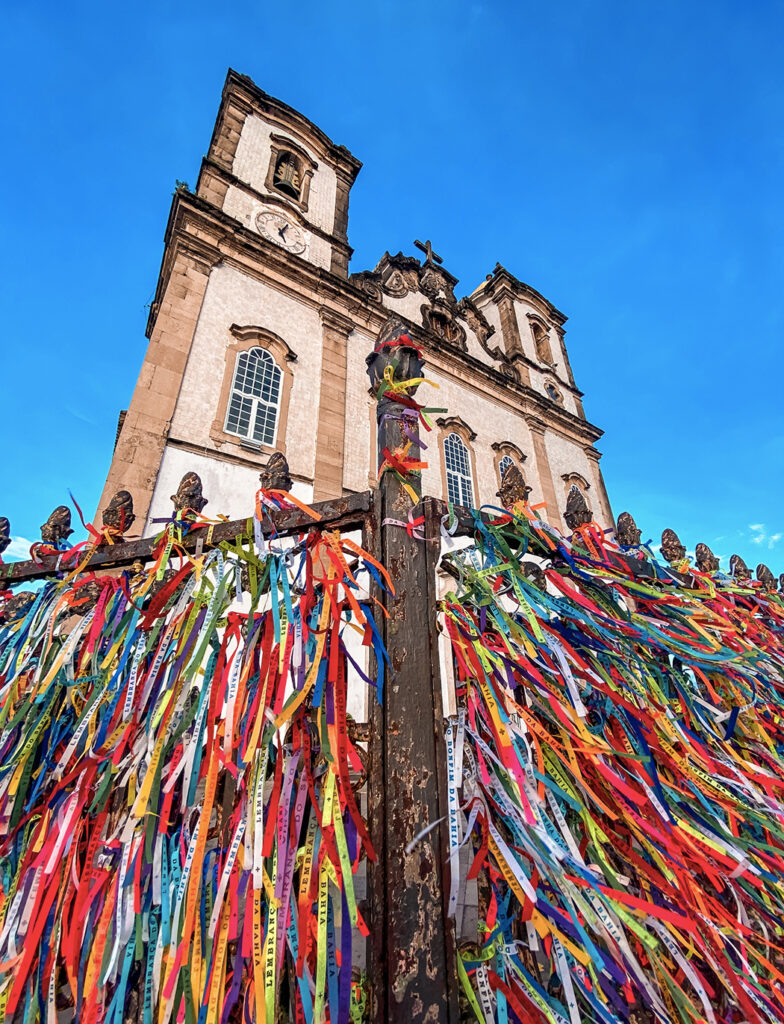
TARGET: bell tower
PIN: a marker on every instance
(278, 175)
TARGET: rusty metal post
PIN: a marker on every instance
(420, 978)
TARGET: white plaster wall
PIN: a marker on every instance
(232, 297)
(566, 456)
(357, 437)
(490, 422)
(251, 162)
(229, 489)
(409, 305)
(538, 380)
(244, 208)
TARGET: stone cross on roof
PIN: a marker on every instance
(427, 249)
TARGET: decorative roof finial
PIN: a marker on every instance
(577, 511)
(513, 487)
(626, 533)
(118, 515)
(706, 560)
(766, 577)
(739, 569)
(189, 495)
(671, 546)
(58, 526)
(275, 476)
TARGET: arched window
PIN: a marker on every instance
(506, 463)
(287, 177)
(255, 397)
(541, 343)
(553, 393)
(458, 471)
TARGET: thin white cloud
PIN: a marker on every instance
(18, 550)
(760, 535)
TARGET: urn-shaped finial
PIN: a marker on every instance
(58, 526)
(118, 515)
(577, 511)
(275, 476)
(671, 546)
(766, 577)
(739, 569)
(626, 532)
(706, 560)
(189, 496)
(513, 487)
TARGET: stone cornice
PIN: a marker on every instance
(240, 87)
(331, 318)
(235, 245)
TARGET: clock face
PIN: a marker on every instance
(280, 230)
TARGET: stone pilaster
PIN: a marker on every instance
(330, 436)
(601, 491)
(142, 438)
(537, 428)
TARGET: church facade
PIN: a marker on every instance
(258, 336)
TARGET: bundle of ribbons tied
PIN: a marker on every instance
(180, 828)
(615, 769)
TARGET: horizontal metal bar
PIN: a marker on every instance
(337, 513)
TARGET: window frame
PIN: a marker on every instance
(507, 449)
(256, 401)
(455, 425)
(245, 339)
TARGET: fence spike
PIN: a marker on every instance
(5, 534)
(766, 577)
(58, 526)
(738, 568)
(189, 496)
(671, 546)
(626, 533)
(577, 511)
(706, 560)
(513, 487)
(275, 476)
(118, 514)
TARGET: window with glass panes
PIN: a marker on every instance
(255, 397)
(458, 471)
(506, 463)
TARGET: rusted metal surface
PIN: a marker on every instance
(419, 983)
(339, 513)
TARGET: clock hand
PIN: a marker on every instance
(282, 232)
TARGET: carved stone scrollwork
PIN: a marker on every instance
(739, 569)
(706, 560)
(189, 496)
(766, 577)
(275, 476)
(671, 547)
(368, 282)
(58, 526)
(577, 511)
(118, 514)
(513, 487)
(397, 275)
(626, 533)
(5, 534)
(17, 607)
(475, 319)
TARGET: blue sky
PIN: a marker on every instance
(623, 158)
